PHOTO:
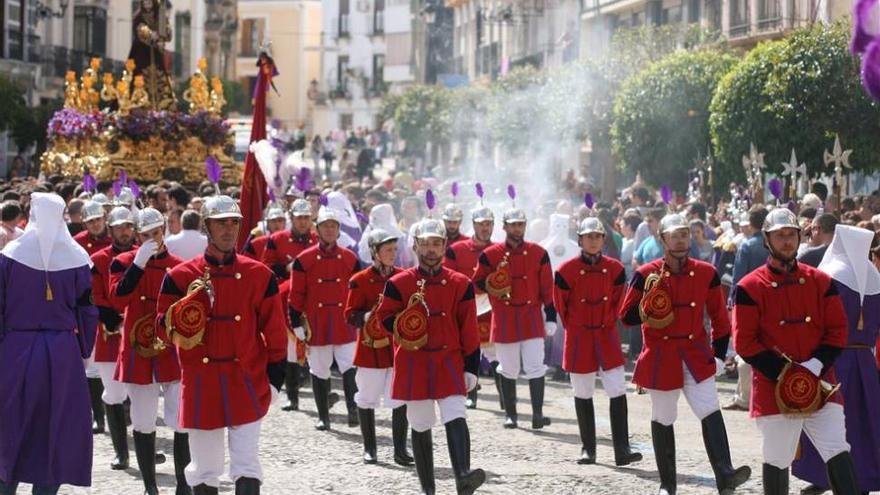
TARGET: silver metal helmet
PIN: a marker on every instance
(101, 199)
(591, 225)
(149, 219)
(275, 213)
(121, 215)
(125, 198)
(514, 215)
(452, 213)
(673, 222)
(780, 218)
(326, 214)
(220, 207)
(482, 214)
(428, 228)
(92, 210)
(301, 208)
(378, 237)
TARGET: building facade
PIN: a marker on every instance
(293, 30)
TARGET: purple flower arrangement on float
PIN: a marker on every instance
(139, 125)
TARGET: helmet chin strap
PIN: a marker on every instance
(787, 263)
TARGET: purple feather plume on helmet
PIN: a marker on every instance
(271, 195)
(588, 200)
(511, 191)
(323, 200)
(88, 183)
(666, 194)
(213, 169)
(117, 188)
(454, 189)
(123, 177)
(871, 70)
(135, 190)
(866, 25)
(430, 201)
(775, 187)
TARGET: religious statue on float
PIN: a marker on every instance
(151, 31)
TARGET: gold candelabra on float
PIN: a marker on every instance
(128, 93)
(200, 96)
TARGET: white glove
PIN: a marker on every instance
(367, 316)
(300, 333)
(814, 365)
(275, 394)
(470, 381)
(550, 328)
(719, 367)
(145, 252)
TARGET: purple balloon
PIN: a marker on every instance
(871, 70)
(865, 25)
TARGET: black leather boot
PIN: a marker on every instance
(181, 460)
(620, 432)
(247, 486)
(291, 386)
(775, 480)
(423, 452)
(508, 394)
(842, 475)
(471, 401)
(399, 427)
(368, 431)
(586, 417)
(96, 390)
(458, 439)
(663, 438)
(321, 390)
(349, 387)
(715, 438)
(497, 377)
(204, 489)
(536, 390)
(145, 451)
(118, 435)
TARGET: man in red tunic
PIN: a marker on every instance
(452, 217)
(145, 364)
(375, 353)
(318, 290)
(109, 331)
(669, 297)
(518, 323)
(788, 312)
(276, 220)
(437, 362)
(95, 237)
(463, 257)
(282, 248)
(232, 372)
(587, 294)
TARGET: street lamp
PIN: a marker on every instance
(44, 11)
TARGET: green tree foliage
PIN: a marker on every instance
(798, 93)
(422, 115)
(661, 115)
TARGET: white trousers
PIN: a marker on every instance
(422, 417)
(526, 356)
(145, 405)
(489, 353)
(209, 454)
(702, 397)
(374, 388)
(114, 391)
(826, 428)
(291, 351)
(613, 380)
(91, 369)
(321, 358)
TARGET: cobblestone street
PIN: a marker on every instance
(297, 459)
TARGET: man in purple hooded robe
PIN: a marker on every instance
(858, 282)
(46, 303)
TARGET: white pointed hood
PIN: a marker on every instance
(846, 260)
(558, 244)
(46, 243)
